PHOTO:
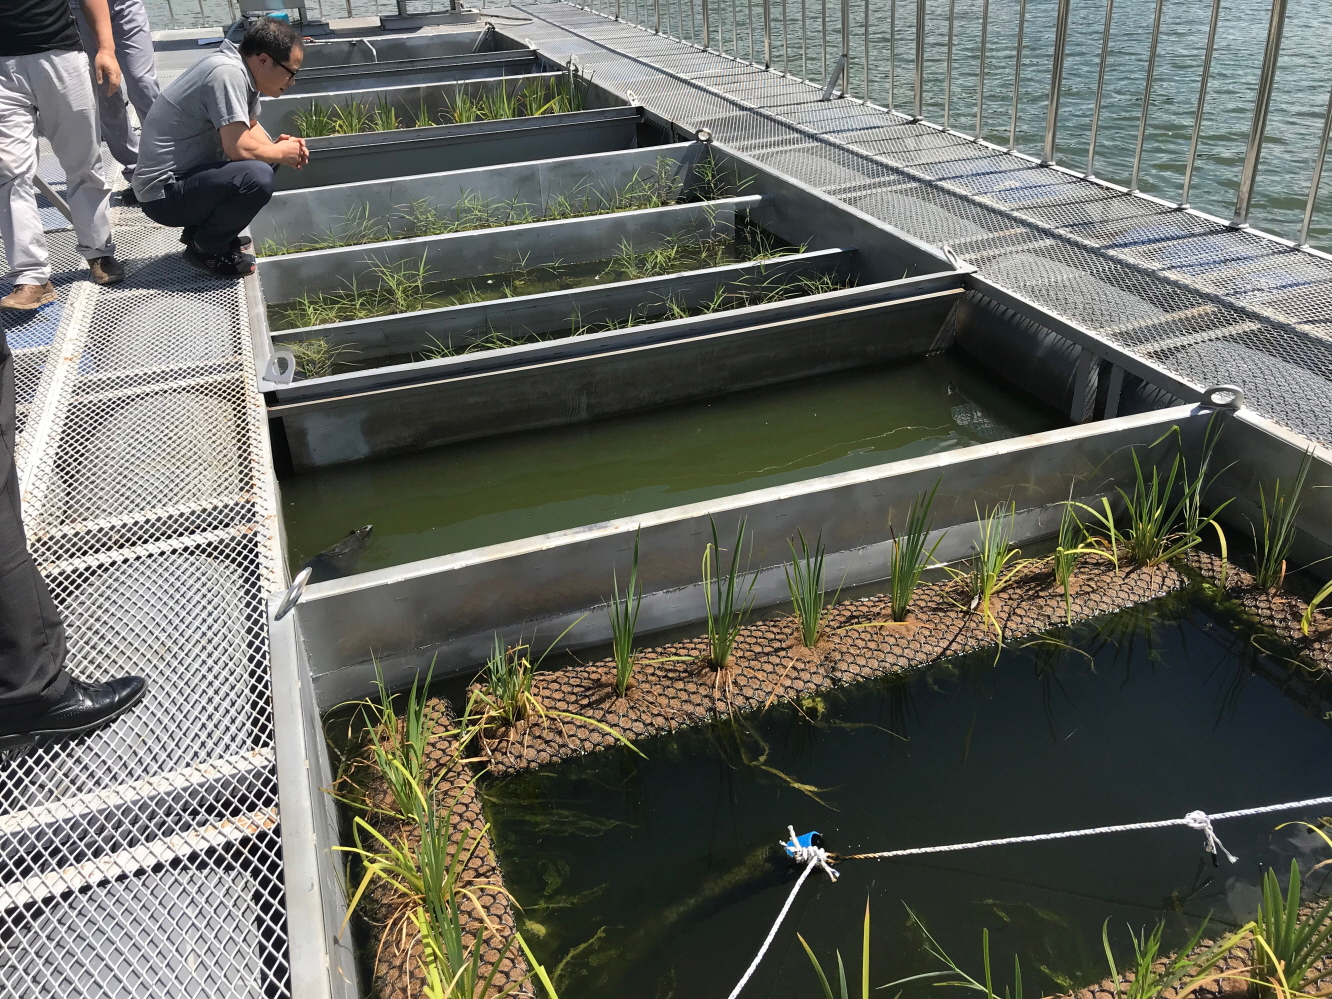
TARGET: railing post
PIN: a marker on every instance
(658, 3)
(1056, 82)
(1100, 88)
(1017, 76)
(804, 41)
(1202, 100)
(918, 109)
(767, 34)
(617, 10)
(786, 52)
(980, 79)
(865, 37)
(1317, 175)
(846, 47)
(948, 66)
(1146, 96)
(892, 55)
(707, 26)
(1262, 103)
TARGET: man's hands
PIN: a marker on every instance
(108, 70)
(253, 143)
(292, 151)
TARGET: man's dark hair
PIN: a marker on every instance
(273, 38)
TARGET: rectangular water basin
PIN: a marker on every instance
(370, 211)
(499, 489)
(420, 70)
(665, 870)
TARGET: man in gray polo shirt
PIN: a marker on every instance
(205, 162)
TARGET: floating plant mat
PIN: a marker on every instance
(498, 489)
(660, 876)
(411, 287)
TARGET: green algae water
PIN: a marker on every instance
(660, 877)
(483, 492)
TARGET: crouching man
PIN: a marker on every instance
(205, 162)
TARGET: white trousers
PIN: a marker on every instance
(138, 66)
(53, 91)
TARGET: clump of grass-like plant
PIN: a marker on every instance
(356, 227)
(1278, 514)
(1163, 515)
(994, 562)
(1289, 949)
(804, 582)
(317, 357)
(910, 556)
(1150, 975)
(727, 596)
(501, 700)
(623, 611)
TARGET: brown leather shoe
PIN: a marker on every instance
(106, 270)
(29, 296)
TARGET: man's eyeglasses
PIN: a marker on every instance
(290, 72)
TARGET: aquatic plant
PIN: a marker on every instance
(951, 967)
(314, 121)
(432, 880)
(423, 116)
(727, 597)
(843, 991)
(351, 118)
(384, 118)
(804, 581)
(1071, 544)
(623, 611)
(994, 563)
(1272, 549)
(1306, 622)
(317, 356)
(1150, 975)
(357, 226)
(501, 698)
(398, 747)
(1157, 526)
(910, 559)
(1289, 948)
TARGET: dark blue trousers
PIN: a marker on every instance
(216, 200)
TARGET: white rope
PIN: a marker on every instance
(813, 856)
(1194, 820)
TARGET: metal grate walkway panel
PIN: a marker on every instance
(1155, 281)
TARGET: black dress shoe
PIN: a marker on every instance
(84, 707)
(128, 197)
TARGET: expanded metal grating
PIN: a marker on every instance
(1209, 303)
(144, 860)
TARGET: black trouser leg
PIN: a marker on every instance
(32, 636)
(218, 200)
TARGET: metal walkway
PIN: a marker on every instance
(1211, 304)
(143, 860)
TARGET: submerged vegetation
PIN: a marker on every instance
(566, 93)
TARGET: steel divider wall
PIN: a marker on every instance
(451, 606)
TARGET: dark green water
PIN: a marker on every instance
(498, 489)
(669, 863)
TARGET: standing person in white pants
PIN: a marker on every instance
(43, 72)
(134, 52)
